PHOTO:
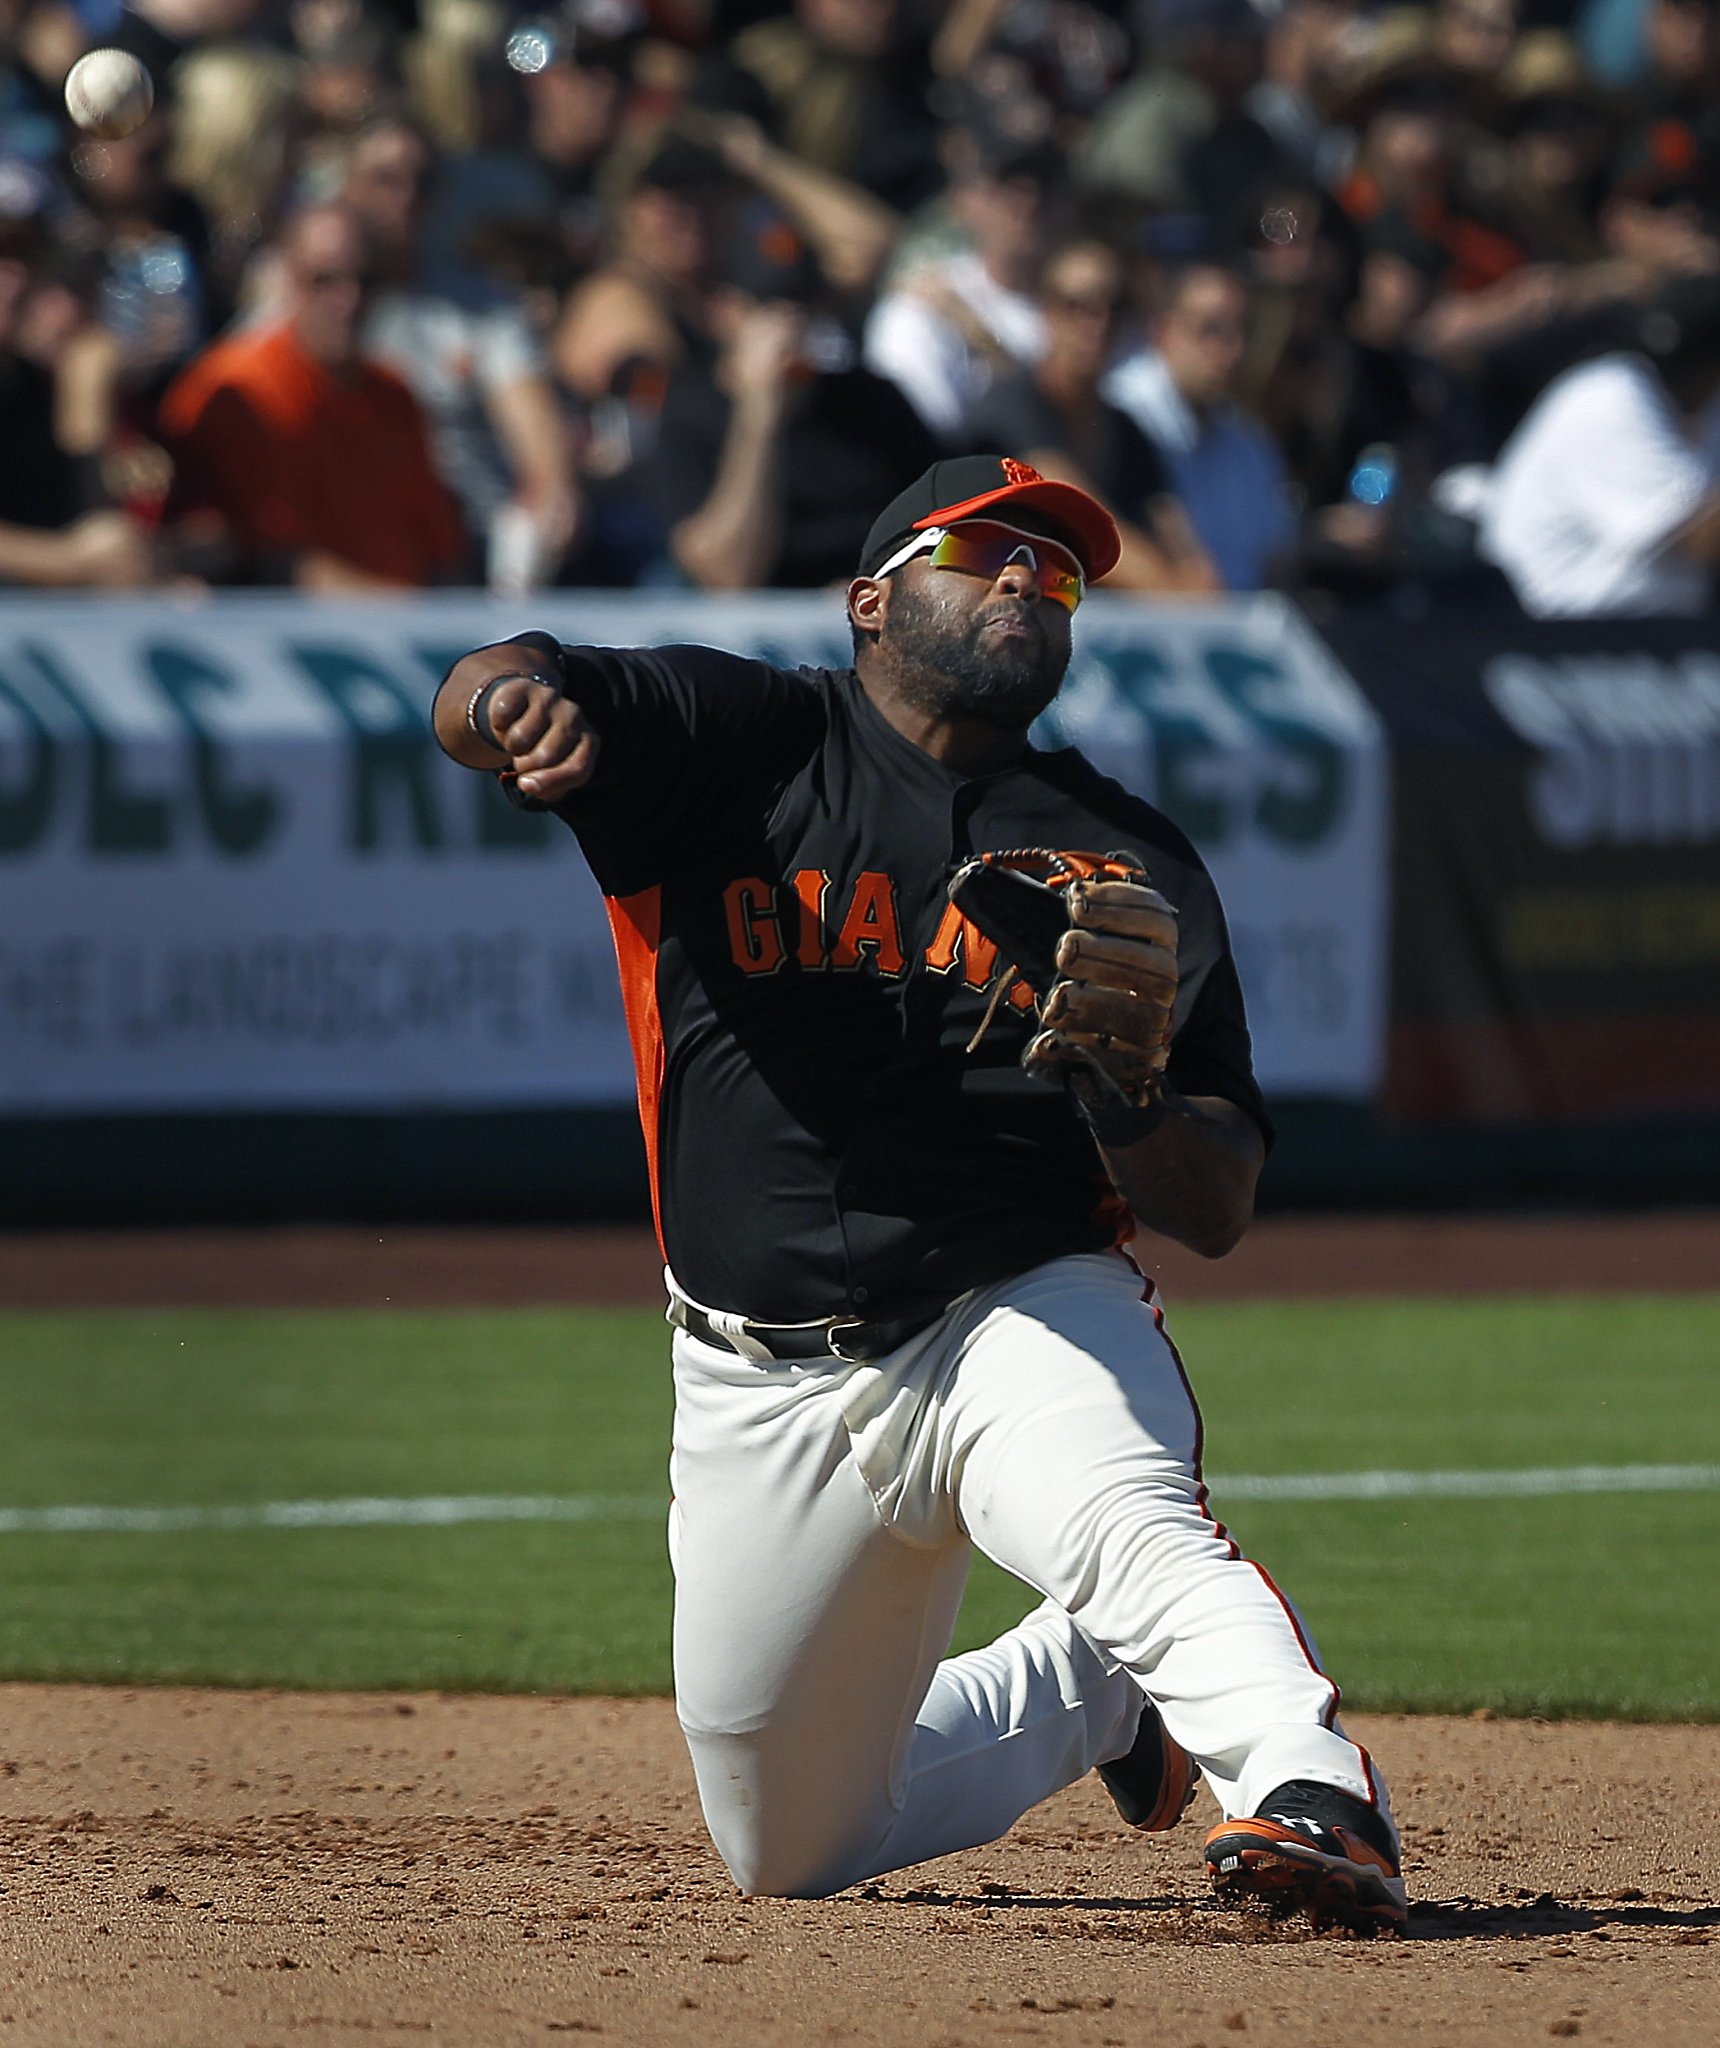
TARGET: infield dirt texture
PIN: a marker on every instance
(186, 1868)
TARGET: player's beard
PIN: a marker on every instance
(959, 668)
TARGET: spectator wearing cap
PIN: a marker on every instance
(1179, 391)
(1557, 139)
(312, 460)
(1659, 214)
(1411, 160)
(767, 466)
(479, 372)
(954, 322)
(1055, 416)
(1606, 500)
(56, 530)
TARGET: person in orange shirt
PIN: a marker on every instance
(315, 461)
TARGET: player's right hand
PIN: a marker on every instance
(551, 747)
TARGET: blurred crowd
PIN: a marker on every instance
(1400, 306)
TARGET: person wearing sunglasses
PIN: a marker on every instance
(298, 459)
(906, 1327)
(1055, 412)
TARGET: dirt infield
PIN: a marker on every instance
(1659, 1251)
(237, 1870)
(204, 1870)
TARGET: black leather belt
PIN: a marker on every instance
(841, 1337)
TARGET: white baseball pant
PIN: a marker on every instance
(820, 1534)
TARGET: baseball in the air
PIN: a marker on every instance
(108, 93)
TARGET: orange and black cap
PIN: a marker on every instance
(981, 486)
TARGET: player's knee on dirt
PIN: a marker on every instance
(785, 1863)
(786, 1827)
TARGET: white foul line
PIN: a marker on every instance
(1544, 1479)
(446, 1510)
(432, 1511)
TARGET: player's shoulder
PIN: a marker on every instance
(757, 703)
(693, 663)
(1106, 803)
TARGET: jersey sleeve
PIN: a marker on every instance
(694, 741)
(1211, 1053)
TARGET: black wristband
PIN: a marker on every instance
(1121, 1123)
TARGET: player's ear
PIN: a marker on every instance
(868, 602)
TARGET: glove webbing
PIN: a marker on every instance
(1064, 871)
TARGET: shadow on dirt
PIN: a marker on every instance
(1481, 1920)
(1461, 1919)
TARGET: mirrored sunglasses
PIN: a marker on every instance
(986, 547)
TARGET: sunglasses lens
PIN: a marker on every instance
(984, 550)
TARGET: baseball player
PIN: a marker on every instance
(892, 1182)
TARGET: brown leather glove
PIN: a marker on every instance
(1097, 944)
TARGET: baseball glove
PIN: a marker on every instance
(1097, 945)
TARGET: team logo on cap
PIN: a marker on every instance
(1020, 472)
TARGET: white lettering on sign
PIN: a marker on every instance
(1629, 744)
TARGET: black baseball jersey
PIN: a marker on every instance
(800, 992)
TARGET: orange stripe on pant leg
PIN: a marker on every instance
(1329, 1713)
(635, 923)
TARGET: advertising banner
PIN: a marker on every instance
(1556, 909)
(236, 872)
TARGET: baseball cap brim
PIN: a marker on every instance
(971, 487)
(1089, 527)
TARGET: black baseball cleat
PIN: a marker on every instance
(1311, 1848)
(1152, 1782)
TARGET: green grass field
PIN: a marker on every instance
(1603, 1603)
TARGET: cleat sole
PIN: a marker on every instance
(1287, 1876)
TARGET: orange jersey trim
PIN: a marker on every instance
(635, 924)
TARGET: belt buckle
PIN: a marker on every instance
(833, 1337)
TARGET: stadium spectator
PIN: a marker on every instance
(311, 461)
(850, 232)
(1557, 140)
(1054, 417)
(1179, 391)
(56, 529)
(479, 373)
(768, 462)
(236, 126)
(843, 84)
(1307, 49)
(1606, 501)
(1180, 136)
(953, 322)
(1433, 211)
(645, 310)
(1681, 76)
(1377, 390)
(575, 70)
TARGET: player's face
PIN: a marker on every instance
(964, 644)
